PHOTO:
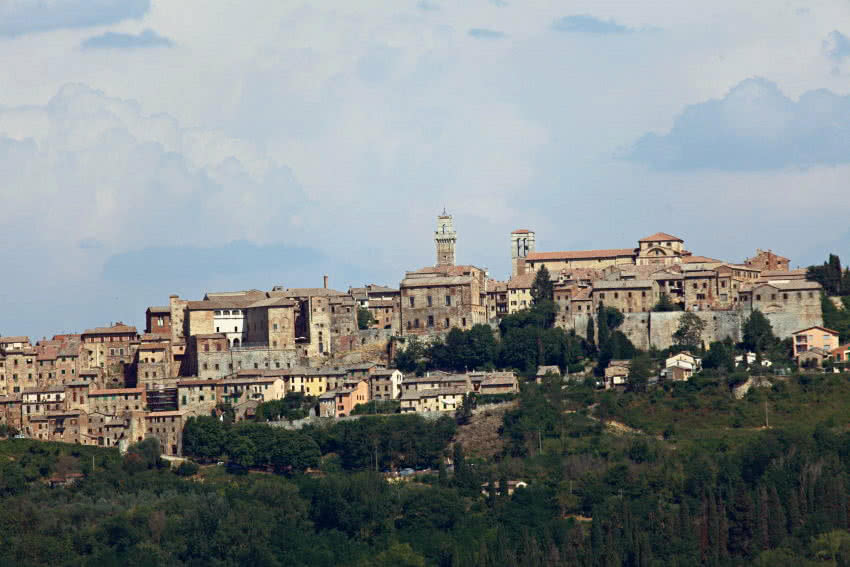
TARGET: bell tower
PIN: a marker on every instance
(522, 243)
(445, 239)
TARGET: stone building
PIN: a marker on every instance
(198, 397)
(627, 296)
(167, 427)
(385, 384)
(497, 300)
(433, 400)
(660, 248)
(158, 320)
(117, 401)
(766, 260)
(522, 244)
(435, 299)
(381, 301)
(445, 239)
(519, 292)
(595, 259)
(152, 365)
(10, 411)
(112, 349)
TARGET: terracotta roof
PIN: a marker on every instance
(701, 274)
(522, 281)
(461, 270)
(521, 231)
(582, 294)
(700, 260)
(178, 413)
(116, 329)
(792, 285)
(281, 291)
(49, 353)
(581, 254)
(621, 284)
(5, 340)
(815, 327)
(660, 237)
(210, 336)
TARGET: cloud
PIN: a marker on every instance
(32, 16)
(754, 127)
(584, 23)
(113, 40)
(483, 33)
(837, 46)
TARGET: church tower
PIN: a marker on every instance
(445, 238)
(522, 243)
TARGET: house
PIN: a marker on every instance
(499, 383)
(751, 359)
(681, 366)
(543, 371)
(167, 427)
(385, 384)
(818, 337)
(340, 402)
(617, 374)
(841, 354)
(436, 381)
(432, 400)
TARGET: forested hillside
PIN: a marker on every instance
(683, 474)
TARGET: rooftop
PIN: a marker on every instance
(581, 254)
(116, 329)
(661, 237)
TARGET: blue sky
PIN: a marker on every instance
(152, 147)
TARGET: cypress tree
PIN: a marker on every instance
(793, 509)
(777, 521)
(762, 534)
(591, 335)
(741, 523)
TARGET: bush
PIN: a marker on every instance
(187, 468)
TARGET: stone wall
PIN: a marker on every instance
(718, 326)
(213, 365)
(635, 326)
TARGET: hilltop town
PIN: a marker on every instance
(113, 386)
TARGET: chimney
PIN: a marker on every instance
(325, 280)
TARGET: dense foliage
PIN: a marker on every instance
(683, 474)
(834, 280)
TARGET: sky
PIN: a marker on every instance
(150, 148)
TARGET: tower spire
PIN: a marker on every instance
(445, 239)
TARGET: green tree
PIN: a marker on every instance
(365, 319)
(689, 333)
(591, 336)
(665, 304)
(542, 289)
(639, 373)
(720, 356)
(757, 333)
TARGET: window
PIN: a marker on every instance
(463, 321)
(430, 320)
(601, 296)
(429, 301)
(447, 323)
(448, 300)
(206, 347)
(416, 323)
(160, 322)
(274, 326)
(758, 297)
(616, 295)
(411, 301)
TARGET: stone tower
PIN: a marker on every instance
(445, 238)
(522, 242)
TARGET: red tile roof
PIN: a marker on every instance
(661, 237)
(581, 254)
(521, 231)
(116, 329)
